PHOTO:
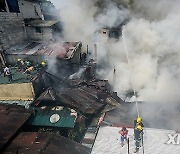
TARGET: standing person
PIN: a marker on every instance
(7, 72)
(138, 121)
(138, 133)
(1, 69)
(23, 65)
(124, 133)
(19, 63)
(28, 72)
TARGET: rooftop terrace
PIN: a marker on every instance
(18, 76)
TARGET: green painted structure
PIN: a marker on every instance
(53, 117)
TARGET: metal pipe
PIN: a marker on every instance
(114, 75)
(95, 53)
(87, 51)
(128, 145)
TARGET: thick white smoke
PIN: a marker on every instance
(152, 37)
(81, 19)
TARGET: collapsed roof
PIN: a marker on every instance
(91, 97)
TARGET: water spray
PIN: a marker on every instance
(128, 61)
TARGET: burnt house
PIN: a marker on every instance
(89, 97)
(110, 33)
(113, 32)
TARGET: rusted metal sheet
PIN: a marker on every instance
(12, 118)
(90, 97)
(44, 143)
(62, 50)
(82, 100)
(47, 96)
(63, 145)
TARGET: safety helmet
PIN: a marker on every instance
(43, 63)
(18, 59)
(139, 127)
(139, 119)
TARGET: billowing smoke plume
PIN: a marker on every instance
(152, 38)
(82, 19)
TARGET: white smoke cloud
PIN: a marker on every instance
(78, 20)
(81, 19)
(152, 42)
(155, 10)
(152, 37)
(112, 16)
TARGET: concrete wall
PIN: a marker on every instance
(30, 9)
(23, 91)
(45, 35)
(12, 29)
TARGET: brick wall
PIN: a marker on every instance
(12, 29)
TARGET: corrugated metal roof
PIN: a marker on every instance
(26, 104)
(65, 147)
(62, 50)
(90, 98)
(38, 143)
(48, 95)
(54, 117)
(82, 100)
(12, 118)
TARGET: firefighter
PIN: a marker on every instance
(28, 63)
(124, 133)
(19, 63)
(138, 133)
(43, 64)
(138, 121)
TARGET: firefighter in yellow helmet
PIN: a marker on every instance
(138, 133)
(138, 120)
(43, 64)
(19, 63)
